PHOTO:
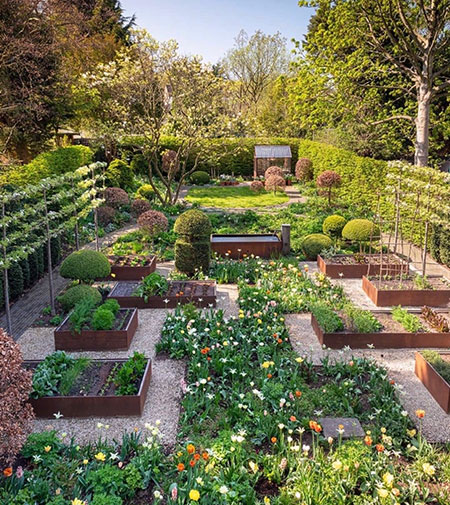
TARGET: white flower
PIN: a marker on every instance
(306, 448)
(223, 490)
(58, 415)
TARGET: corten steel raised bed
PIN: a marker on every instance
(407, 297)
(97, 340)
(228, 183)
(434, 382)
(380, 340)
(356, 271)
(94, 406)
(264, 245)
(130, 273)
(200, 293)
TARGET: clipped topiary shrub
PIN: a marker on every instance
(190, 257)
(193, 223)
(146, 192)
(329, 180)
(75, 294)
(275, 183)
(274, 170)
(257, 186)
(85, 266)
(200, 178)
(105, 215)
(360, 230)
(153, 222)
(140, 206)
(139, 164)
(16, 414)
(313, 244)
(304, 169)
(119, 174)
(333, 225)
(116, 197)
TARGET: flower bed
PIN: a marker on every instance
(396, 291)
(347, 266)
(438, 387)
(131, 268)
(97, 394)
(118, 338)
(264, 245)
(200, 293)
(390, 336)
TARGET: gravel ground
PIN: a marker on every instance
(400, 364)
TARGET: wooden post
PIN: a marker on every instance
(285, 239)
(425, 247)
(5, 278)
(49, 256)
(397, 212)
(95, 211)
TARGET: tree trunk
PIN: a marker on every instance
(422, 124)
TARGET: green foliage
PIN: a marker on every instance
(313, 244)
(103, 319)
(76, 293)
(15, 281)
(36, 442)
(145, 192)
(106, 479)
(139, 165)
(81, 314)
(152, 285)
(129, 375)
(25, 266)
(360, 230)
(192, 257)
(111, 304)
(444, 247)
(441, 366)
(48, 373)
(85, 266)
(106, 499)
(410, 322)
(333, 225)
(435, 242)
(194, 224)
(327, 318)
(119, 174)
(71, 374)
(200, 178)
(361, 321)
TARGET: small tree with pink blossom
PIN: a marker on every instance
(304, 169)
(152, 223)
(328, 180)
(16, 415)
(275, 183)
(274, 170)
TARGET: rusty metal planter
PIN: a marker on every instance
(433, 381)
(380, 340)
(228, 183)
(96, 340)
(95, 406)
(130, 273)
(123, 293)
(357, 271)
(407, 297)
(264, 245)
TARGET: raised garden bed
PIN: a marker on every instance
(200, 293)
(119, 338)
(393, 291)
(438, 387)
(347, 266)
(228, 183)
(391, 336)
(90, 403)
(131, 268)
(264, 245)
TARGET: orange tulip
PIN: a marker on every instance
(420, 413)
(379, 447)
(7, 472)
(180, 467)
(190, 449)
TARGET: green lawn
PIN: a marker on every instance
(233, 197)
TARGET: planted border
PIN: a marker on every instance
(131, 273)
(357, 271)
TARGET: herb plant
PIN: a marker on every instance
(152, 285)
(410, 322)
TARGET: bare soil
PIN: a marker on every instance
(407, 284)
(122, 319)
(373, 259)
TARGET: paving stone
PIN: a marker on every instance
(351, 426)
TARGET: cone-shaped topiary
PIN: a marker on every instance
(333, 225)
(85, 266)
(193, 223)
(313, 244)
(304, 169)
(73, 295)
(360, 230)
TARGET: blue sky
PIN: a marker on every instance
(208, 28)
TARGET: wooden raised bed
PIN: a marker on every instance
(97, 340)
(129, 272)
(358, 270)
(380, 339)
(94, 406)
(406, 296)
(228, 183)
(433, 381)
(264, 245)
(200, 293)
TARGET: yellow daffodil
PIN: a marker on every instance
(337, 465)
(428, 469)
(383, 493)
(47, 448)
(194, 495)
(299, 359)
(388, 479)
(100, 456)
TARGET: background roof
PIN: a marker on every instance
(273, 152)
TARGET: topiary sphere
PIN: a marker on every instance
(193, 223)
(313, 244)
(360, 230)
(119, 174)
(275, 183)
(146, 192)
(105, 215)
(115, 197)
(77, 293)
(153, 222)
(274, 170)
(329, 179)
(333, 225)
(257, 186)
(304, 169)
(85, 266)
(140, 206)
(200, 178)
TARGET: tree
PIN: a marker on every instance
(408, 42)
(255, 62)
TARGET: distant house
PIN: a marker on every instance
(445, 166)
(271, 155)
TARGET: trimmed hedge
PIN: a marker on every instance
(77, 293)
(191, 257)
